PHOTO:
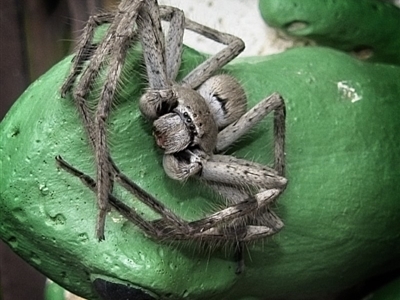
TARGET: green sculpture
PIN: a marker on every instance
(341, 207)
(368, 28)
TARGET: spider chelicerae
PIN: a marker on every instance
(193, 120)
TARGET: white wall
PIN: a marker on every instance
(238, 17)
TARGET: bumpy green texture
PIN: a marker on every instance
(369, 26)
(341, 207)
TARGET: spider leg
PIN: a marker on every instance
(85, 49)
(160, 98)
(123, 36)
(231, 171)
(163, 65)
(115, 202)
(171, 226)
(247, 205)
(229, 159)
(209, 227)
(86, 81)
(174, 41)
(152, 228)
(153, 45)
(204, 71)
(97, 60)
(117, 39)
(236, 130)
(240, 179)
(234, 179)
(237, 229)
(175, 227)
(246, 234)
(149, 200)
(248, 224)
(230, 177)
(261, 216)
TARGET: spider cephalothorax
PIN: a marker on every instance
(189, 123)
(193, 120)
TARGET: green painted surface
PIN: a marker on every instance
(349, 25)
(341, 207)
(53, 291)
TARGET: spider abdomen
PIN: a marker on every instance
(225, 97)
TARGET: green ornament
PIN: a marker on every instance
(341, 207)
(369, 28)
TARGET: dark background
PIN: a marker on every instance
(34, 35)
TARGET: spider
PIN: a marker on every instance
(193, 120)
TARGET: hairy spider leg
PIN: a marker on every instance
(124, 35)
(95, 125)
(231, 134)
(172, 227)
(153, 43)
(236, 130)
(234, 46)
(174, 39)
(85, 49)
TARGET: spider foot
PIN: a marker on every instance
(100, 224)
